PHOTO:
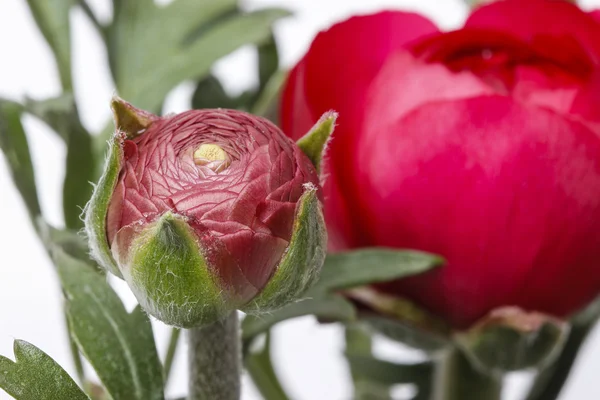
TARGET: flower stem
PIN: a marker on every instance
(456, 379)
(215, 360)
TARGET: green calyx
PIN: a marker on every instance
(314, 143)
(510, 339)
(97, 209)
(301, 264)
(168, 274)
(129, 122)
(128, 119)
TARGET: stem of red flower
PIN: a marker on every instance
(215, 360)
(456, 379)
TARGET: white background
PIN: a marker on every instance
(307, 356)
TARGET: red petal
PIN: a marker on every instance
(544, 20)
(335, 74)
(509, 194)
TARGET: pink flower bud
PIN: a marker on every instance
(216, 193)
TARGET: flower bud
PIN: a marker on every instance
(206, 212)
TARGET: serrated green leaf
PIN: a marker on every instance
(13, 144)
(36, 376)
(52, 17)
(119, 345)
(331, 308)
(367, 266)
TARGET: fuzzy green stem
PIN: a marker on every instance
(456, 379)
(215, 360)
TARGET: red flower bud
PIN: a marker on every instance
(217, 192)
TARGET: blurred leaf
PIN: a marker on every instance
(13, 144)
(120, 346)
(550, 380)
(366, 266)
(52, 17)
(510, 339)
(389, 373)
(268, 100)
(171, 352)
(79, 175)
(331, 308)
(209, 93)
(259, 366)
(153, 48)
(36, 376)
(71, 242)
(60, 114)
(54, 112)
(268, 61)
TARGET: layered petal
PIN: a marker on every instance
(335, 74)
(508, 194)
(544, 22)
(242, 207)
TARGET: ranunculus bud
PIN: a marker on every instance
(208, 211)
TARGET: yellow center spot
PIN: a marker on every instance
(212, 156)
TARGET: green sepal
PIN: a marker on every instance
(168, 274)
(301, 264)
(510, 339)
(314, 143)
(97, 209)
(128, 119)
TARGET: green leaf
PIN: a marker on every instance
(209, 93)
(259, 366)
(152, 49)
(366, 266)
(268, 61)
(302, 262)
(331, 308)
(54, 112)
(266, 104)
(61, 115)
(52, 17)
(36, 376)
(510, 339)
(389, 373)
(13, 143)
(120, 346)
(69, 241)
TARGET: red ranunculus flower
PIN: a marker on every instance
(481, 145)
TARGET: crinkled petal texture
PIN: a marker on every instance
(480, 144)
(243, 214)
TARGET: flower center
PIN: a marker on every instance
(211, 156)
